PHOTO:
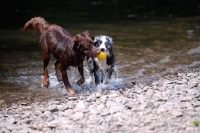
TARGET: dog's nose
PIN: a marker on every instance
(102, 49)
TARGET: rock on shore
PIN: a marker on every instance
(170, 104)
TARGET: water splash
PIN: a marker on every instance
(194, 51)
(35, 83)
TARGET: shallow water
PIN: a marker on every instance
(145, 51)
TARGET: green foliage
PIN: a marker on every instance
(196, 123)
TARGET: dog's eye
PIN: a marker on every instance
(108, 45)
(97, 44)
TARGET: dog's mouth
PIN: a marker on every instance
(92, 54)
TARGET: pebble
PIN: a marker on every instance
(169, 104)
(176, 113)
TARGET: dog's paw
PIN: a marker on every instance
(80, 81)
(60, 80)
(58, 76)
(46, 86)
(70, 91)
(46, 83)
(99, 89)
(107, 81)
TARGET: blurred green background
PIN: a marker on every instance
(15, 13)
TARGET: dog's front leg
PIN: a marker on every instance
(46, 58)
(46, 78)
(66, 81)
(97, 79)
(90, 62)
(58, 73)
(82, 79)
(108, 74)
(102, 75)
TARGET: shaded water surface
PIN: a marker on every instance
(144, 51)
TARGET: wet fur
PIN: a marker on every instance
(101, 70)
(69, 50)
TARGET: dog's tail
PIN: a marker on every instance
(36, 24)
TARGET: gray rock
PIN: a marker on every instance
(98, 95)
(137, 109)
(150, 104)
(113, 95)
(26, 115)
(177, 113)
(4, 130)
(40, 126)
(11, 120)
(81, 105)
(37, 112)
(105, 113)
(69, 112)
(169, 104)
(181, 74)
(77, 116)
(53, 124)
(27, 120)
(91, 98)
(73, 98)
(185, 99)
(196, 103)
(161, 110)
(191, 74)
(53, 108)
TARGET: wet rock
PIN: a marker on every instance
(91, 98)
(98, 95)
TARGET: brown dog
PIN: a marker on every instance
(67, 49)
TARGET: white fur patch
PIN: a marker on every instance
(102, 64)
(103, 44)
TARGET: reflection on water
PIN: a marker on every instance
(145, 52)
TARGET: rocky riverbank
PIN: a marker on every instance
(171, 104)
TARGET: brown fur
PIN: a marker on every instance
(67, 49)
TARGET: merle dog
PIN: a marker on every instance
(102, 69)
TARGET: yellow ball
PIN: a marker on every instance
(101, 56)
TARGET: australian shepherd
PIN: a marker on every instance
(101, 70)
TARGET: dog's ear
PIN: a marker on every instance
(77, 38)
(95, 38)
(110, 39)
(85, 33)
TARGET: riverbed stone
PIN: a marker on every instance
(177, 113)
(166, 105)
(77, 116)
